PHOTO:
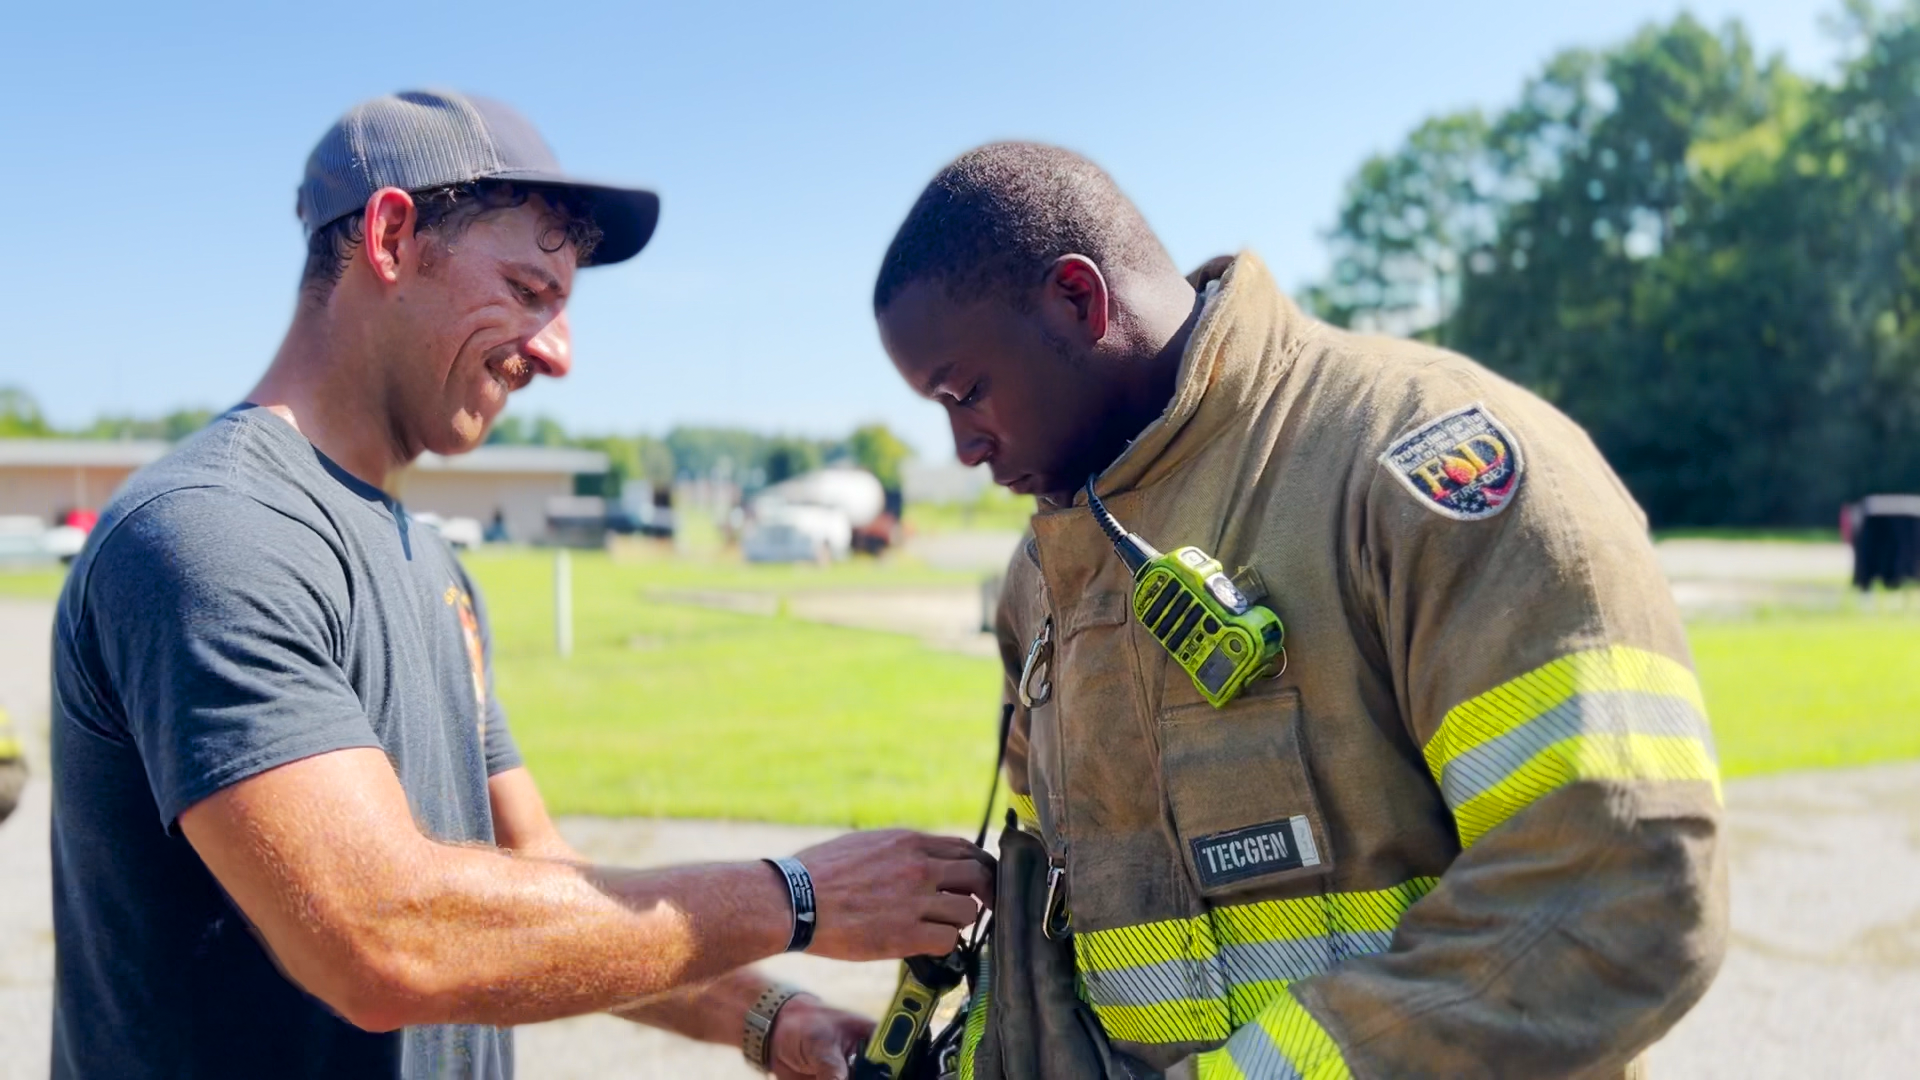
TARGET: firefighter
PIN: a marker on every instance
(1472, 829)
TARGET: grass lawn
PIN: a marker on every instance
(1805, 535)
(1803, 691)
(39, 583)
(677, 710)
(995, 510)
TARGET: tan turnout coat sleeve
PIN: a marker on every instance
(1489, 728)
(1538, 663)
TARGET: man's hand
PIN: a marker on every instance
(813, 1041)
(885, 895)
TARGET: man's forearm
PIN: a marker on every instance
(712, 1012)
(480, 937)
(392, 929)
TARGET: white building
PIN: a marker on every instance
(46, 478)
(513, 481)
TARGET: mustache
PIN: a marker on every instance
(516, 369)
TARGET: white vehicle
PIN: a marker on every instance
(22, 538)
(460, 533)
(780, 532)
(855, 492)
(64, 542)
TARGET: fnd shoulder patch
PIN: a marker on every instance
(1465, 465)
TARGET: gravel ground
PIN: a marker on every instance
(1823, 977)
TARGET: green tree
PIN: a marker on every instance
(1705, 260)
(541, 431)
(172, 427)
(875, 448)
(508, 431)
(700, 451)
(20, 416)
(636, 459)
(1409, 224)
(784, 457)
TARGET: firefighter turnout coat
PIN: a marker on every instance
(1472, 829)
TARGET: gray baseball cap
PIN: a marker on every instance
(422, 139)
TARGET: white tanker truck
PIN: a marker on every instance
(812, 517)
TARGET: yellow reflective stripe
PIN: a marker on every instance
(1023, 808)
(1201, 936)
(976, 1028)
(1307, 916)
(1217, 1066)
(1512, 703)
(1147, 943)
(1246, 999)
(1587, 757)
(1178, 1021)
(1616, 713)
(1198, 979)
(1284, 1042)
(1180, 1002)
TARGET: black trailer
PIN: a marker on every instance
(1885, 531)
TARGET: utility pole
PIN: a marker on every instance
(563, 602)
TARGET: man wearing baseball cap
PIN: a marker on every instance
(292, 836)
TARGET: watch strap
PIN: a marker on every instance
(756, 1042)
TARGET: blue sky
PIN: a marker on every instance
(153, 152)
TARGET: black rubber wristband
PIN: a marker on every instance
(800, 893)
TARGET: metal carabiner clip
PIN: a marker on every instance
(1054, 920)
(1039, 655)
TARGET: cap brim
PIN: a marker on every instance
(626, 216)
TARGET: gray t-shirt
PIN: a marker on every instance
(244, 603)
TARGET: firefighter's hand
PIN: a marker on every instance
(813, 1041)
(887, 895)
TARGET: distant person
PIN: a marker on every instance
(1470, 827)
(292, 835)
(496, 529)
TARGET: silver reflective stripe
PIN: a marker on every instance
(1253, 1051)
(1606, 712)
(1239, 964)
(1264, 961)
(1153, 984)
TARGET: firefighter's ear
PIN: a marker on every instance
(1074, 301)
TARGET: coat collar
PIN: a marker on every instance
(1247, 336)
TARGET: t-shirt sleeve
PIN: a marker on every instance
(502, 753)
(220, 625)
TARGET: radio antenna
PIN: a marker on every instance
(1133, 551)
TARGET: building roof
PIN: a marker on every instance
(81, 453)
(517, 459)
(134, 453)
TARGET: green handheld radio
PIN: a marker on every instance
(1196, 612)
(924, 980)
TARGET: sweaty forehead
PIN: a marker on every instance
(529, 233)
